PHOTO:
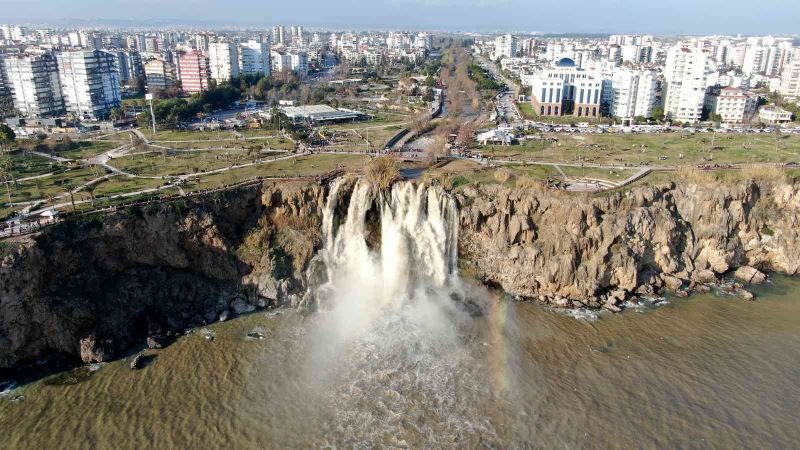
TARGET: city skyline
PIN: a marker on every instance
(606, 16)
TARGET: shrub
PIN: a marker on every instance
(383, 172)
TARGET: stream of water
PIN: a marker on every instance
(394, 358)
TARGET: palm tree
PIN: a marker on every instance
(90, 190)
(70, 186)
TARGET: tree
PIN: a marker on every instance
(117, 114)
(658, 114)
(6, 164)
(7, 137)
(90, 190)
(70, 187)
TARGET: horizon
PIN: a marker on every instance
(684, 18)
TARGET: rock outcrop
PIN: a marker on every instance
(93, 287)
(600, 250)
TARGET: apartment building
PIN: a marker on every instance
(129, 64)
(687, 75)
(566, 91)
(223, 59)
(790, 77)
(33, 82)
(634, 93)
(732, 104)
(290, 61)
(195, 73)
(254, 58)
(505, 46)
(159, 74)
(90, 83)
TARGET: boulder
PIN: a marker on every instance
(96, 350)
(750, 275)
(224, 315)
(704, 276)
(672, 283)
(157, 341)
(745, 294)
(240, 306)
(137, 362)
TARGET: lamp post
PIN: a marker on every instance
(149, 98)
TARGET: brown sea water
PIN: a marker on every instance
(703, 372)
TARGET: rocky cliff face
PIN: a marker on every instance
(573, 250)
(95, 286)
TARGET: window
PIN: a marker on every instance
(542, 111)
(549, 110)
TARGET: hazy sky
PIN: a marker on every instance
(581, 16)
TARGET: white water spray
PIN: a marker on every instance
(417, 251)
(389, 340)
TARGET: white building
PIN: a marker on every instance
(160, 75)
(790, 77)
(566, 90)
(634, 93)
(290, 61)
(223, 59)
(687, 76)
(505, 46)
(731, 104)
(774, 115)
(254, 58)
(89, 82)
(33, 82)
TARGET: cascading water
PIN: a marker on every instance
(390, 335)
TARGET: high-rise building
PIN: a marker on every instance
(201, 42)
(160, 75)
(195, 73)
(790, 76)
(89, 82)
(634, 93)
(505, 46)
(129, 64)
(150, 44)
(223, 59)
(33, 82)
(278, 34)
(254, 58)
(687, 75)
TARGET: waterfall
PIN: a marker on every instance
(387, 342)
(418, 244)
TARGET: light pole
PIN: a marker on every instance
(149, 97)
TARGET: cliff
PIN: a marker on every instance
(573, 250)
(94, 287)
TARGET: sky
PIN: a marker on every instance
(665, 17)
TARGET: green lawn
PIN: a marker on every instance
(44, 188)
(176, 135)
(654, 149)
(121, 185)
(180, 163)
(302, 166)
(87, 149)
(29, 165)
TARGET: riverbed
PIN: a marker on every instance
(704, 372)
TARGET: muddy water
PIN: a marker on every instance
(704, 372)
